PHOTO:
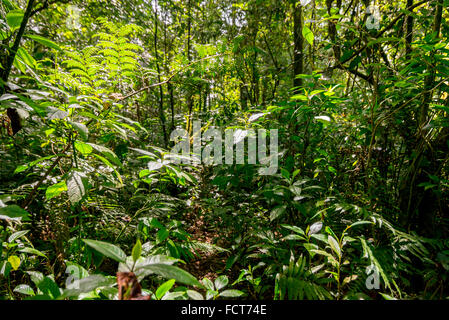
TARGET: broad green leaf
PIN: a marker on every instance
(221, 282)
(106, 162)
(14, 19)
(44, 41)
(36, 277)
(334, 245)
(111, 156)
(24, 289)
(293, 237)
(232, 293)
(86, 285)
(307, 34)
(49, 287)
(33, 251)
(210, 294)
(172, 272)
(24, 167)
(310, 247)
(5, 268)
(299, 97)
(14, 212)
(209, 285)
(81, 129)
(315, 228)
(82, 147)
(162, 234)
(107, 249)
(17, 235)
(137, 250)
(194, 295)
(55, 190)
(177, 295)
(296, 229)
(154, 165)
(277, 212)
(75, 187)
(25, 57)
(163, 288)
(387, 297)
(323, 253)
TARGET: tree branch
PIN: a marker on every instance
(169, 78)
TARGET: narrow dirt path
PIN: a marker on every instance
(207, 262)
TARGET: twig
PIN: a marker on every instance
(32, 195)
(168, 79)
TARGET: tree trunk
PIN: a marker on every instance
(298, 66)
(161, 92)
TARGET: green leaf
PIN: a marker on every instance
(137, 250)
(106, 162)
(24, 167)
(24, 289)
(307, 34)
(172, 272)
(360, 223)
(55, 190)
(277, 212)
(107, 249)
(161, 235)
(210, 294)
(293, 237)
(5, 268)
(14, 19)
(36, 277)
(14, 212)
(209, 285)
(334, 245)
(194, 295)
(299, 97)
(82, 147)
(75, 187)
(86, 285)
(221, 282)
(296, 229)
(49, 287)
(17, 235)
(33, 251)
(81, 129)
(44, 41)
(232, 293)
(163, 288)
(154, 165)
(387, 297)
(26, 58)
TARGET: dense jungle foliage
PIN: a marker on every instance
(93, 205)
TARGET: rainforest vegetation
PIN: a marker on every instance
(96, 205)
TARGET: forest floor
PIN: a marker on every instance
(206, 263)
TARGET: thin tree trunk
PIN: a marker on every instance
(298, 65)
(409, 30)
(13, 51)
(161, 92)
